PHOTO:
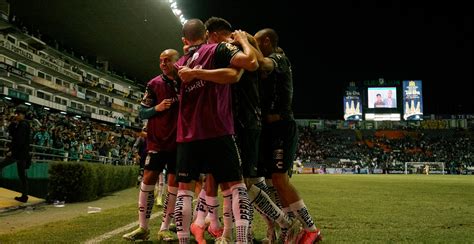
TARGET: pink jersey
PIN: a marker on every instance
(161, 128)
(205, 109)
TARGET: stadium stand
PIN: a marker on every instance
(387, 150)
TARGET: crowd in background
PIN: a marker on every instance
(76, 139)
(66, 137)
(385, 149)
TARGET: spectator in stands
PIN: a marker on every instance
(103, 148)
(19, 151)
(42, 138)
(88, 149)
(57, 141)
(74, 148)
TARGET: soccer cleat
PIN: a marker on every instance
(292, 233)
(309, 237)
(215, 233)
(167, 235)
(198, 233)
(223, 240)
(138, 234)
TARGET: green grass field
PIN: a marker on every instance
(348, 208)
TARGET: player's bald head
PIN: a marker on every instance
(170, 53)
(194, 30)
(270, 34)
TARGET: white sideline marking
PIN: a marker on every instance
(118, 231)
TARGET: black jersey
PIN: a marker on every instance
(277, 92)
(246, 101)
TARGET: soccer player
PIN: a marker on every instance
(247, 123)
(205, 126)
(160, 106)
(279, 130)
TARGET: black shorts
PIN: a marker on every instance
(248, 141)
(218, 155)
(279, 141)
(159, 160)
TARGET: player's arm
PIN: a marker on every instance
(148, 112)
(219, 76)
(266, 64)
(149, 108)
(247, 59)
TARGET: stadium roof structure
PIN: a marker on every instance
(355, 40)
(130, 35)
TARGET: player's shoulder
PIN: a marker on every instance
(281, 61)
(278, 56)
(226, 47)
(156, 80)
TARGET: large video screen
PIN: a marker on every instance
(382, 97)
(412, 100)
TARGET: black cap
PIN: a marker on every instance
(21, 109)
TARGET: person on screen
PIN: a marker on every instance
(389, 101)
(379, 102)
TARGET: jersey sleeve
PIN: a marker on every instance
(149, 98)
(281, 63)
(224, 53)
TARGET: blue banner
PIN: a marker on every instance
(412, 100)
(352, 106)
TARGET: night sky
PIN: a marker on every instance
(329, 44)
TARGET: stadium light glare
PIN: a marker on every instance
(8, 98)
(177, 12)
(46, 108)
(27, 103)
(62, 112)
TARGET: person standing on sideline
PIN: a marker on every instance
(19, 150)
(279, 132)
(160, 106)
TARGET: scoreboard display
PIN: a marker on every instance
(381, 100)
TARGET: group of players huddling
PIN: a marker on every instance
(223, 110)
